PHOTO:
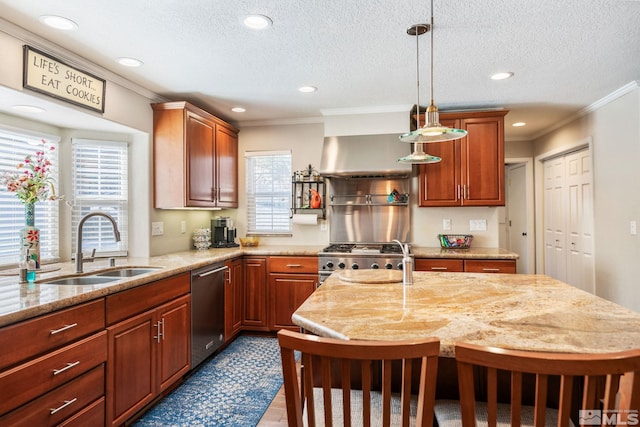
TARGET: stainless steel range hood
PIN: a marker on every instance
(364, 155)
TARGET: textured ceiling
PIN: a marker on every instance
(565, 54)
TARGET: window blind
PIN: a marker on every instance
(268, 192)
(100, 183)
(14, 147)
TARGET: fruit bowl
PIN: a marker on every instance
(455, 241)
(249, 241)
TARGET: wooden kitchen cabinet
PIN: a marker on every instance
(291, 281)
(149, 334)
(490, 266)
(195, 158)
(255, 310)
(53, 365)
(439, 264)
(466, 265)
(233, 298)
(471, 172)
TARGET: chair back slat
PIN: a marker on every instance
(620, 392)
(327, 361)
(492, 397)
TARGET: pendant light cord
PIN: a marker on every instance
(418, 78)
(431, 31)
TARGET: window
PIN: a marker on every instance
(14, 147)
(268, 192)
(100, 184)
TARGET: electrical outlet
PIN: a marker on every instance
(633, 228)
(157, 228)
(183, 227)
(478, 225)
(446, 224)
(323, 225)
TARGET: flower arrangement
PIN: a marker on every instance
(33, 183)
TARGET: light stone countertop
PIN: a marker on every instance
(472, 253)
(529, 312)
(23, 301)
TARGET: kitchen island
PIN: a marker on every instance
(528, 312)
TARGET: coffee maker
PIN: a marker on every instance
(224, 233)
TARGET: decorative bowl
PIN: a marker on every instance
(249, 241)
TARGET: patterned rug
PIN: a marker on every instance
(233, 389)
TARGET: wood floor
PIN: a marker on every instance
(276, 414)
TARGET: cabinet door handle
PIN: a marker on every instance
(162, 329)
(294, 265)
(465, 192)
(159, 333)
(64, 328)
(491, 270)
(67, 367)
(208, 273)
(64, 405)
(458, 191)
(439, 268)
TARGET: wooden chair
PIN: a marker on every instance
(338, 404)
(597, 375)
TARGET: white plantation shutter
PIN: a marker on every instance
(14, 147)
(100, 183)
(268, 192)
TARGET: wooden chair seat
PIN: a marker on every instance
(608, 383)
(331, 365)
(448, 414)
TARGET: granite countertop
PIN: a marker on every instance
(529, 312)
(23, 301)
(472, 253)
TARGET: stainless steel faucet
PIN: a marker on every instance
(79, 258)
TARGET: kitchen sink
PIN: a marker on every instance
(81, 281)
(127, 272)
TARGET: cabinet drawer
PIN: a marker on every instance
(32, 337)
(437, 264)
(490, 266)
(92, 415)
(61, 403)
(128, 303)
(38, 376)
(287, 264)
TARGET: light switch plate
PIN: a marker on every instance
(157, 228)
(478, 225)
(446, 224)
(633, 229)
(183, 226)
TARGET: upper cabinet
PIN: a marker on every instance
(195, 158)
(471, 172)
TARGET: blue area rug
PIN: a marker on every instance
(233, 389)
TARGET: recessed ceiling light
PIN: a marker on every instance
(129, 62)
(307, 89)
(519, 124)
(238, 110)
(28, 108)
(501, 75)
(58, 22)
(257, 22)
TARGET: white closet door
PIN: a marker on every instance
(554, 219)
(568, 219)
(580, 263)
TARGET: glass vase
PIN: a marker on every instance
(30, 235)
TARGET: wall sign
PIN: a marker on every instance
(46, 74)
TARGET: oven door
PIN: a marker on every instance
(322, 276)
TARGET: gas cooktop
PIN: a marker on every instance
(355, 248)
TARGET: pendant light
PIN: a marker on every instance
(432, 131)
(418, 156)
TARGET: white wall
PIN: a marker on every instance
(615, 131)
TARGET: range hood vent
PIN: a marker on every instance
(364, 156)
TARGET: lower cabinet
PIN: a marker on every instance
(255, 311)
(233, 298)
(291, 281)
(148, 350)
(466, 265)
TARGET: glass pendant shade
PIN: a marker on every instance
(419, 156)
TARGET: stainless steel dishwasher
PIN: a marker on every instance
(207, 311)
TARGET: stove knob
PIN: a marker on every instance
(341, 265)
(329, 264)
(375, 266)
(354, 266)
(399, 266)
(388, 266)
